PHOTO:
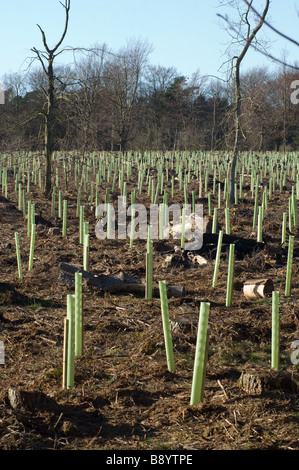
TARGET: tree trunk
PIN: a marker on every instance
(49, 127)
(238, 98)
(237, 129)
(49, 55)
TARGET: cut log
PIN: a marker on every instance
(258, 288)
(120, 282)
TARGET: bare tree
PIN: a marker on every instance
(256, 106)
(46, 58)
(14, 82)
(85, 104)
(279, 33)
(246, 41)
(123, 76)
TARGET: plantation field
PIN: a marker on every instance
(124, 397)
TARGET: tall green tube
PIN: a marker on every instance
(289, 266)
(166, 326)
(218, 254)
(200, 360)
(53, 200)
(60, 204)
(64, 221)
(215, 216)
(29, 219)
(149, 267)
(18, 255)
(275, 331)
(255, 212)
(32, 243)
(78, 315)
(70, 369)
(81, 225)
(209, 205)
(230, 276)
(283, 231)
(260, 225)
(132, 223)
(78, 202)
(183, 228)
(20, 197)
(290, 215)
(227, 220)
(295, 210)
(86, 252)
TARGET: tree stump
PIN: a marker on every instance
(53, 231)
(29, 399)
(259, 381)
(185, 325)
(10, 296)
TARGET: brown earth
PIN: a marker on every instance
(124, 396)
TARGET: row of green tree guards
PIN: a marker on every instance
(197, 389)
(73, 338)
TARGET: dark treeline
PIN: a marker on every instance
(119, 101)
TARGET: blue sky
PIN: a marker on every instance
(186, 35)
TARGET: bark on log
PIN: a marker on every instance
(258, 288)
(120, 282)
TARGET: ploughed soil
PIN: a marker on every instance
(124, 397)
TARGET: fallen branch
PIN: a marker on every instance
(120, 282)
(242, 245)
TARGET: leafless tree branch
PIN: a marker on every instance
(288, 38)
(255, 47)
